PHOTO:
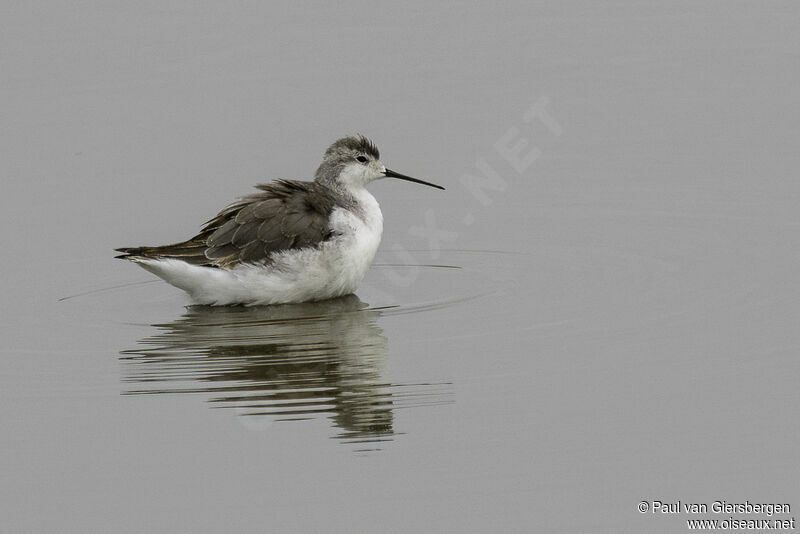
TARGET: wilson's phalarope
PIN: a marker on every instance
(292, 242)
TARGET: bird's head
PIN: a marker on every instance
(353, 162)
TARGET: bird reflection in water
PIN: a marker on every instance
(287, 362)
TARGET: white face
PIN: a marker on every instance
(357, 174)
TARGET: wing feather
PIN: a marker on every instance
(224, 234)
(245, 234)
(284, 215)
(266, 209)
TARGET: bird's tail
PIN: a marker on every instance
(131, 253)
(189, 251)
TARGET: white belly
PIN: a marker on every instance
(332, 269)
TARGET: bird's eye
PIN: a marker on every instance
(362, 159)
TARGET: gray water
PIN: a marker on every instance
(602, 308)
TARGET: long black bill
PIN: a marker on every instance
(392, 174)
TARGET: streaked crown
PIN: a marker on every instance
(351, 147)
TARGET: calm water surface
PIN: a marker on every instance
(601, 309)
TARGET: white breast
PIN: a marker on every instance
(360, 235)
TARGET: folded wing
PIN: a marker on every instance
(285, 215)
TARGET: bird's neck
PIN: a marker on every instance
(372, 211)
(363, 204)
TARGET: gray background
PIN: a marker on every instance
(622, 327)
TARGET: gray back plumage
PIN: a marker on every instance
(286, 215)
